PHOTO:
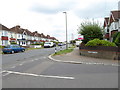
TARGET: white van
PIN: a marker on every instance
(48, 44)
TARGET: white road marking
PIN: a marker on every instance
(47, 76)
(6, 74)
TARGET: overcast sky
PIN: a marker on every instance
(46, 16)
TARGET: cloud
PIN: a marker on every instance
(45, 16)
(52, 8)
(96, 9)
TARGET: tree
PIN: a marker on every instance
(90, 31)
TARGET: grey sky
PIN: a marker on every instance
(46, 16)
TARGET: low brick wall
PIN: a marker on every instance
(101, 52)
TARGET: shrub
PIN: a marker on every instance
(2, 46)
(13, 43)
(116, 38)
(90, 30)
(97, 42)
(38, 44)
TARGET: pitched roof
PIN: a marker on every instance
(28, 32)
(17, 29)
(116, 14)
(106, 20)
(4, 27)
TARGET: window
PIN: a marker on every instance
(115, 25)
(18, 35)
(107, 30)
(4, 42)
(4, 33)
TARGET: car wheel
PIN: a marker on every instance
(12, 52)
(23, 50)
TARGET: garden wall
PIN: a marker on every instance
(105, 52)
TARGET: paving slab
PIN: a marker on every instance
(75, 57)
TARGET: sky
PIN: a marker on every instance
(46, 16)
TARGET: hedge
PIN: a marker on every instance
(97, 42)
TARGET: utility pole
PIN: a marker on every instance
(72, 39)
(66, 29)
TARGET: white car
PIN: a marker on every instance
(48, 44)
(78, 43)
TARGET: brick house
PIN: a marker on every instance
(4, 35)
(21, 36)
(112, 24)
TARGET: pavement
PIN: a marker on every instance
(75, 58)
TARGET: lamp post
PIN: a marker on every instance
(66, 28)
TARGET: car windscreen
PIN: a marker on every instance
(15, 46)
(48, 43)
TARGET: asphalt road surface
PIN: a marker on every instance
(33, 69)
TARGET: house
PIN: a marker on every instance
(106, 28)
(43, 37)
(21, 35)
(4, 35)
(29, 37)
(112, 24)
(36, 37)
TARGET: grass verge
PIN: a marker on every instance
(33, 48)
(70, 49)
(63, 52)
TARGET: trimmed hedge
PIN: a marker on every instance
(38, 44)
(13, 43)
(97, 42)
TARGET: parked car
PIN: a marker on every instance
(78, 43)
(48, 44)
(12, 49)
(60, 44)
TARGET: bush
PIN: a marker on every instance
(97, 42)
(2, 46)
(90, 30)
(38, 44)
(35, 44)
(13, 43)
(116, 38)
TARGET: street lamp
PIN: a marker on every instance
(66, 28)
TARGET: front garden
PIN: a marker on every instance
(94, 44)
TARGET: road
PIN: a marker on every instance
(33, 69)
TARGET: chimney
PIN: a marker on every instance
(17, 26)
(36, 32)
